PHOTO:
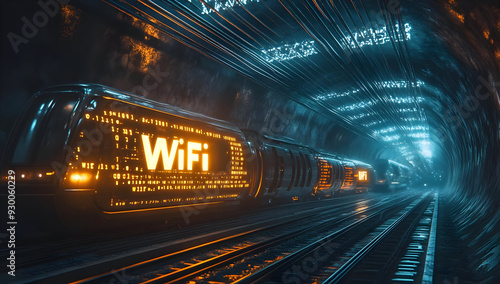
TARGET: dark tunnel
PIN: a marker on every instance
(416, 82)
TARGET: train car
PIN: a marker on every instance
(391, 176)
(363, 175)
(91, 156)
(349, 182)
(287, 170)
(330, 176)
(94, 153)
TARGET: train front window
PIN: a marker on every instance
(56, 128)
(43, 129)
(31, 123)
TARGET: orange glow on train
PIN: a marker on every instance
(363, 175)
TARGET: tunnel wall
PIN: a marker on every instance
(466, 122)
(97, 44)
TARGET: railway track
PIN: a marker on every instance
(383, 239)
(249, 248)
(89, 258)
(393, 252)
(216, 262)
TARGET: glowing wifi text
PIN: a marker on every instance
(169, 155)
(362, 175)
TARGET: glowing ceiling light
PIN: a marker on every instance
(356, 106)
(401, 84)
(403, 110)
(376, 36)
(406, 100)
(290, 51)
(375, 122)
(385, 130)
(410, 119)
(391, 138)
(359, 116)
(335, 95)
(410, 158)
(425, 149)
(419, 135)
(208, 6)
(417, 128)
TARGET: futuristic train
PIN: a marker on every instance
(391, 176)
(89, 154)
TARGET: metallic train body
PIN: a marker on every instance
(391, 175)
(92, 153)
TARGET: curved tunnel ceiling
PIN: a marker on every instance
(384, 69)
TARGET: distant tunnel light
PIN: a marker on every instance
(425, 149)
(290, 51)
(377, 36)
(426, 153)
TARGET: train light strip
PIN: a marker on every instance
(325, 179)
(79, 189)
(158, 208)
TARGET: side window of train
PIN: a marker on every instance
(292, 158)
(297, 159)
(309, 171)
(303, 178)
(272, 187)
(282, 170)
